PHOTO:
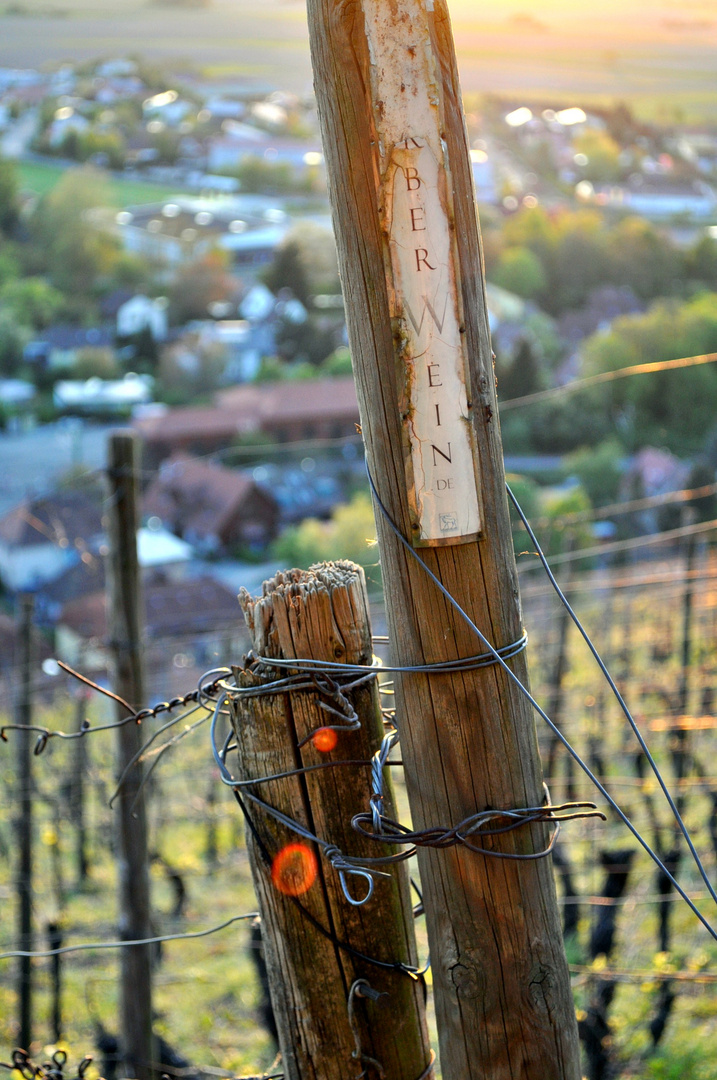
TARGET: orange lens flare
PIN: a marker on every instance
(325, 739)
(294, 870)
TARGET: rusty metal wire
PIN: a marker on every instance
(49, 1070)
(476, 826)
(200, 695)
(362, 988)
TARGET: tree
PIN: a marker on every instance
(701, 261)
(10, 267)
(350, 534)
(602, 153)
(13, 339)
(199, 284)
(559, 533)
(599, 470)
(520, 375)
(306, 263)
(9, 196)
(95, 364)
(673, 408)
(645, 259)
(338, 362)
(32, 301)
(78, 254)
(520, 271)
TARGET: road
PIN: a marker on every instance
(31, 462)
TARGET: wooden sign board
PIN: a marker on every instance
(423, 285)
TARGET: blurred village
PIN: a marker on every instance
(207, 313)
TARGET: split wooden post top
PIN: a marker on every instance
(401, 187)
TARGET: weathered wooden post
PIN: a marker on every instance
(24, 822)
(342, 998)
(405, 219)
(125, 627)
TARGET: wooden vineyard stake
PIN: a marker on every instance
(125, 622)
(322, 614)
(403, 203)
(23, 708)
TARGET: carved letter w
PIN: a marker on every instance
(427, 306)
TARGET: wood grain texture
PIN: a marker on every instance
(503, 999)
(125, 617)
(322, 614)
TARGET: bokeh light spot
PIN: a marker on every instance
(325, 739)
(294, 870)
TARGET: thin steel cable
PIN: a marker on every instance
(541, 712)
(606, 377)
(140, 753)
(618, 697)
(127, 944)
(630, 544)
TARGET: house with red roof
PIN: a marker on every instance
(213, 508)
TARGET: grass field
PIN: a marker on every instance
(39, 177)
(646, 53)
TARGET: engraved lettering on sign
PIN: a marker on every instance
(425, 301)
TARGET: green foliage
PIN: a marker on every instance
(686, 1063)
(675, 408)
(645, 259)
(9, 263)
(13, 339)
(349, 534)
(520, 271)
(107, 146)
(521, 375)
(274, 369)
(95, 364)
(255, 174)
(308, 342)
(9, 192)
(559, 426)
(599, 470)
(603, 155)
(579, 251)
(79, 256)
(32, 301)
(338, 362)
(557, 535)
(701, 261)
(527, 493)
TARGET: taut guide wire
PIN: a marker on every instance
(322, 677)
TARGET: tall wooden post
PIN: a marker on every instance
(25, 796)
(125, 627)
(405, 219)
